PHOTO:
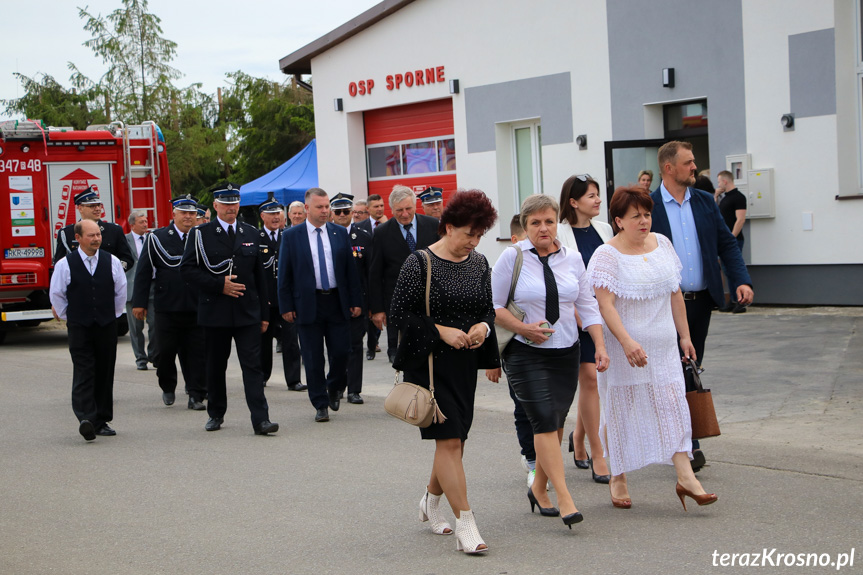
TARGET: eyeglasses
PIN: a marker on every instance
(342, 212)
(360, 212)
(583, 177)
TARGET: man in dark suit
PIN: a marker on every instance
(361, 245)
(136, 238)
(319, 288)
(114, 242)
(691, 220)
(271, 237)
(176, 305)
(393, 242)
(88, 290)
(222, 259)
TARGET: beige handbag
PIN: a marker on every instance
(504, 335)
(411, 402)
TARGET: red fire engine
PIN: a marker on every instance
(41, 170)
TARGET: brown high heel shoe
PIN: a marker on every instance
(619, 503)
(705, 499)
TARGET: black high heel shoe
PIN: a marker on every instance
(576, 517)
(580, 463)
(544, 511)
(599, 478)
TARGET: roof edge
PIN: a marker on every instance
(300, 62)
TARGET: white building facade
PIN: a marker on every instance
(513, 97)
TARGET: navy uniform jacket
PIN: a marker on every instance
(209, 243)
(361, 245)
(714, 237)
(389, 253)
(113, 241)
(297, 273)
(163, 251)
(270, 261)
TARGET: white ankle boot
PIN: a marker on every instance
(429, 511)
(467, 535)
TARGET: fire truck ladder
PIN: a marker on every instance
(137, 174)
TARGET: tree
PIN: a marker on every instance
(138, 82)
(47, 100)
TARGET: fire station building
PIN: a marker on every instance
(512, 97)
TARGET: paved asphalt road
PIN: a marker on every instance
(166, 497)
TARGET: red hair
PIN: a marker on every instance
(625, 198)
(468, 208)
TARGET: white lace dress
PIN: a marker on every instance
(644, 417)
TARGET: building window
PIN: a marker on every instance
(527, 160)
(414, 157)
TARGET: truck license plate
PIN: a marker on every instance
(18, 253)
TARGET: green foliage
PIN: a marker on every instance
(45, 99)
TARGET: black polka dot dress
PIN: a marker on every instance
(460, 297)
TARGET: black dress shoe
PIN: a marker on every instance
(604, 479)
(370, 355)
(196, 404)
(391, 357)
(142, 367)
(214, 424)
(266, 427)
(580, 463)
(106, 430)
(698, 460)
(333, 397)
(739, 308)
(322, 415)
(355, 398)
(168, 397)
(87, 430)
(298, 386)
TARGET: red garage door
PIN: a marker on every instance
(411, 145)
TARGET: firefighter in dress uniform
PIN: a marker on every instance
(272, 216)
(114, 242)
(175, 303)
(222, 259)
(341, 206)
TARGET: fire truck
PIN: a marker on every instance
(41, 170)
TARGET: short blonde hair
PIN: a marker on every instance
(537, 203)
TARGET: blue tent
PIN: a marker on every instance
(289, 181)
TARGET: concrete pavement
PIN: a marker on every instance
(166, 497)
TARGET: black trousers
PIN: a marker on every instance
(355, 358)
(331, 326)
(218, 345)
(94, 354)
(698, 312)
(373, 334)
(178, 334)
(287, 332)
(392, 340)
(523, 430)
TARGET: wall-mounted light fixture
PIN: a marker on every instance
(668, 77)
(453, 86)
(337, 105)
(581, 140)
(787, 122)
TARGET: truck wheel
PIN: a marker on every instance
(122, 326)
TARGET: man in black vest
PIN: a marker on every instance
(176, 305)
(88, 290)
(113, 238)
(271, 236)
(222, 259)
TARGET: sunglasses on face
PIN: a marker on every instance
(343, 212)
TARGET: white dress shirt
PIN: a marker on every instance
(225, 225)
(138, 243)
(572, 287)
(62, 277)
(328, 254)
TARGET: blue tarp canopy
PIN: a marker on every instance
(289, 181)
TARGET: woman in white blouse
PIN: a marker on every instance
(543, 356)
(578, 230)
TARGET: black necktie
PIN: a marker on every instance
(552, 305)
(231, 234)
(183, 238)
(142, 239)
(412, 244)
(273, 236)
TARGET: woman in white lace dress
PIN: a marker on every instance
(645, 418)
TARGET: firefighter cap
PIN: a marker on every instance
(431, 195)
(341, 201)
(227, 194)
(201, 212)
(87, 197)
(187, 203)
(271, 205)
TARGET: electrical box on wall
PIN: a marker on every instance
(760, 194)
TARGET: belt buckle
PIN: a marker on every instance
(325, 291)
(689, 295)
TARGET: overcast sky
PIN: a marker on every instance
(213, 36)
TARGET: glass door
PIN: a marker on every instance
(624, 159)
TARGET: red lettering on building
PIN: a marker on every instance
(370, 84)
(352, 89)
(390, 84)
(399, 79)
(419, 78)
(409, 79)
(440, 77)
